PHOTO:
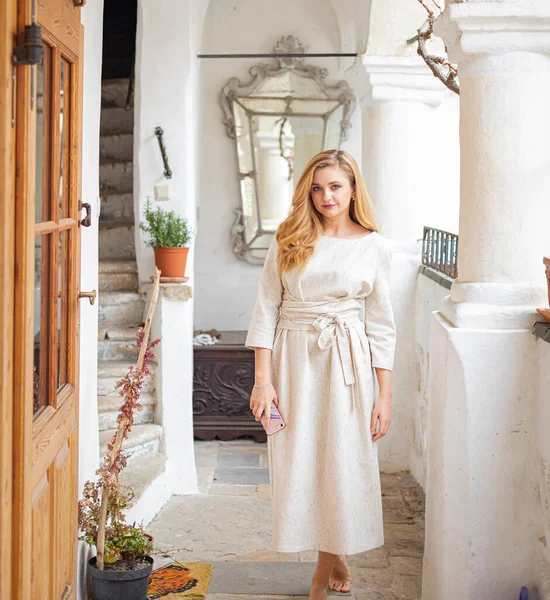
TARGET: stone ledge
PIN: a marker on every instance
(169, 291)
(176, 291)
(542, 331)
(440, 278)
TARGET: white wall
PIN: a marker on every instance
(226, 286)
(428, 295)
(395, 448)
(391, 24)
(92, 19)
(543, 466)
(166, 96)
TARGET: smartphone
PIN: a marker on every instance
(277, 422)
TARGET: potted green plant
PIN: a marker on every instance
(170, 237)
(122, 566)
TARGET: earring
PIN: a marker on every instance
(352, 198)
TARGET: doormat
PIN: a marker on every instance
(265, 578)
(180, 581)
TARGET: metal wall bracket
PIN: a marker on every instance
(32, 50)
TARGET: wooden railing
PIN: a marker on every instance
(440, 250)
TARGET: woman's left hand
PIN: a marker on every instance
(381, 412)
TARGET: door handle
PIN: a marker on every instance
(90, 295)
(67, 592)
(87, 220)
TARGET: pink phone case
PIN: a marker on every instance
(277, 422)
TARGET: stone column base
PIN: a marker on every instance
(493, 305)
(482, 503)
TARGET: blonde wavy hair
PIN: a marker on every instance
(299, 232)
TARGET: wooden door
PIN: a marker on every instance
(7, 229)
(46, 346)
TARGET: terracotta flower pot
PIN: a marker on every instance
(171, 261)
(546, 260)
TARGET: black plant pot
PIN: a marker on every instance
(120, 585)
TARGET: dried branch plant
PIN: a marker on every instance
(101, 516)
(440, 67)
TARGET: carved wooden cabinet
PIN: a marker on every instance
(222, 382)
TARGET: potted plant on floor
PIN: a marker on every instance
(122, 566)
(170, 237)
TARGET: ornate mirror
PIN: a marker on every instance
(279, 119)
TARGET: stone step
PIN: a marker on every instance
(117, 369)
(108, 407)
(116, 120)
(109, 266)
(143, 440)
(116, 350)
(114, 92)
(118, 342)
(116, 177)
(118, 147)
(106, 385)
(113, 282)
(116, 240)
(120, 308)
(116, 207)
(113, 401)
(119, 333)
(141, 472)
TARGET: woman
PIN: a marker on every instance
(314, 358)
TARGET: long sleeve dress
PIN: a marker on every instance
(328, 327)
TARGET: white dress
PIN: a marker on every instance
(328, 327)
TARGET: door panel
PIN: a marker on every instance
(46, 333)
(65, 517)
(41, 557)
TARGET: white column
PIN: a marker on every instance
(275, 186)
(410, 164)
(173, 325)
(168, 33)
(483, 508)
(505, 159)
(410, 147)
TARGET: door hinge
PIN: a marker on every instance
(32, 49)
(29, 53)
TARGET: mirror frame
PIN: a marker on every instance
(234, 89)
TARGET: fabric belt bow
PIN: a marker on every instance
(333, 328)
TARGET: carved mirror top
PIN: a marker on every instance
(288, 86)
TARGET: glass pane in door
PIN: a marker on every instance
(41, 328)
(43, 114)
(62, 309)
(64, 111)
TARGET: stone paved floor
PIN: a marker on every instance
(230, 520)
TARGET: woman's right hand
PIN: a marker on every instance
(260, 402)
